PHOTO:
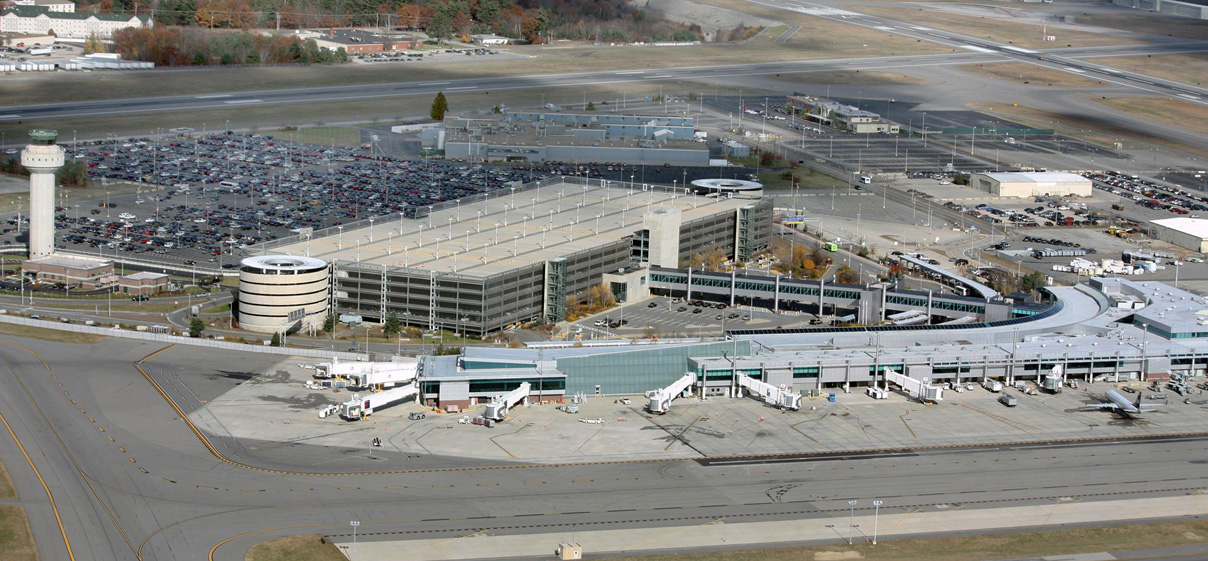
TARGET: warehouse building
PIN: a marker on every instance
(1189, 233)
(839, 115)
(85, 273)
(478, 265)
(1035, 184)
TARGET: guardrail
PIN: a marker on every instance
(179, 339)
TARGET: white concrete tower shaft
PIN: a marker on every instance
(42, 158)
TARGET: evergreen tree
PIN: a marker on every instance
(393, 325)
(196, 327)
(276, 342)
(440, 106)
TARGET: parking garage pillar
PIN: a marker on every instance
(929, 296)
(884, 295)
(688, 290)
(733, 281)
(776, 296)
(821, 301)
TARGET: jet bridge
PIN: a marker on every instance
(918, 389)
(498, 408)
(358, 407)
(660, 399)
(370, 374)
(782, 397)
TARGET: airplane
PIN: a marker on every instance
(592, 421)
(1120, 404)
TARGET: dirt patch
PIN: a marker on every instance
(837, 555)
(16, 540)
(1021, 73)
(994, 29)
(1191, 68)
(295, 548)
(1190, 116)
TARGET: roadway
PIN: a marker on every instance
(1057, 58)
(190, 500)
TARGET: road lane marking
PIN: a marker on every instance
(212, 96)
(240, 101)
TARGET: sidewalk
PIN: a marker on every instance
(719, 534)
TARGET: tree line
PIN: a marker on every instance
(175, 46)
(536, 21)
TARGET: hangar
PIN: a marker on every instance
(1035, 184)
(1190, 233)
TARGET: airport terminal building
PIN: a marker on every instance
(1091, 331)
(481, 264)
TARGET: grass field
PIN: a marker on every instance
(1191, 68)
(49, 334)
(294, 548)
(973, 548)
(121, 303)
(1021, 73)
(323, 136)
(1174, 112)
(7, 491)
(224, 308)
(16, 541)
(1101, 133)
(1143, 22)
(995, 29)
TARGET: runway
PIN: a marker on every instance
(190, 500)
(1060, 59)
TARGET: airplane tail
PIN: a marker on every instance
(1137, 404)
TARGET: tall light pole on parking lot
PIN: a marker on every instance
(354, 525)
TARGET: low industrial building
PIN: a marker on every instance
(489, 40)
(569, 137)
(481, 264)
(1032, 184)
(840, 115)
(1188, 233)
(41, 20)
(52, 5)
(23, 41)
(88, 274)
(282, 293)
(355, 41)
(143, 283)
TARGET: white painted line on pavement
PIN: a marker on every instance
(10, 116)
(462, 88)
(238, 101)
(211, 96)
(976, 49)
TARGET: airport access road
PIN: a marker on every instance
(714, 73)
(191, 500)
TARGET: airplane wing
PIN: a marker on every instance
(1144, 405)
(1101, 406)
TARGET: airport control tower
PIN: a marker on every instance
(42, 158)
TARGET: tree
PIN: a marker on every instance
(276, 342)
(93, 44)
(393, 325)
(591, 106)
(846, 275)
(329, 324)
(440, 106)
(196, 326)
(1032, 281)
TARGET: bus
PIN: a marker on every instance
(830, 246)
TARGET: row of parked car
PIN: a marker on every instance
(1149, 194)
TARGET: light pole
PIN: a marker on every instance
(851, 521)
(354, 525)
(876, 504)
